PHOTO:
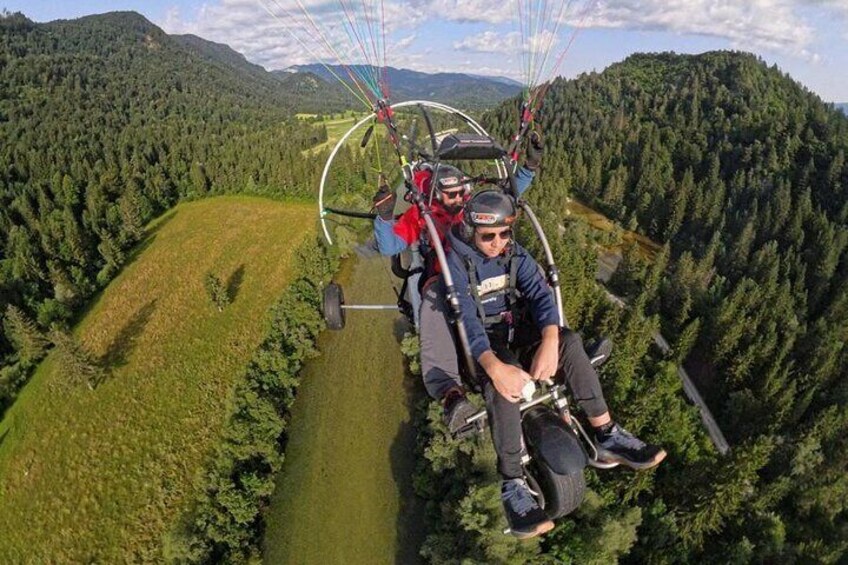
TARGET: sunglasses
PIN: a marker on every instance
(453, 194)
(490, 237)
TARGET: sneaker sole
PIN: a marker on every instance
(610, 457)
(459, 418)
(540, 529)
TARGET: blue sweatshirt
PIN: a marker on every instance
(492, 275)
(395, 235)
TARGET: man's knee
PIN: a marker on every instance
(437, 381)
(570, 341)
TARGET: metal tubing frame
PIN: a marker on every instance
(450, 292)
(555, 393)
(553, 273)
(369, 306)
(552, 393)
(503, 171)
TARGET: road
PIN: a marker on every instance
(689, 388)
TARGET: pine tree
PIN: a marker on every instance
(24, 335)
(78, 365)
(216, 291)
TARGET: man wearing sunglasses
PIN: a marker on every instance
(493, 275)
(450, 188)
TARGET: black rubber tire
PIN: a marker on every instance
(562, 494)
(334, 314)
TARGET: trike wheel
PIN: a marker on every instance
(562, 494)
(334, 314)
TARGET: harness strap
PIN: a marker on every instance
(474, 283)
(511, 292)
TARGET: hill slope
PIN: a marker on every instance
(102, 475)
(107, 121)
(305, 92)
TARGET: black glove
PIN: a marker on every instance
(384, 202)
(535, 150)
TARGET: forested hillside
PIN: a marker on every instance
(106, 121)
(741, 172)
(305, 92)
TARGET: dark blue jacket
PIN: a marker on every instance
(493, 275)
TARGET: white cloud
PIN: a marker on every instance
(490, 42)
(507, 43)
(773, 25)
(776, 26)
(277, 34)
(404, 42)
(467, 10)
(758, 24)
(426, 64)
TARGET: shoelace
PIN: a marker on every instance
(519, 498)
(622, 437)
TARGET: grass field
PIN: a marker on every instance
(344, 495)
(647, 248)
(336, 128)
(102, 475)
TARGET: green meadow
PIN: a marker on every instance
(336, 128)
(344, 494)
(103, 475)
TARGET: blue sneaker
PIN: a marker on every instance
(525, 517)
(620, 446)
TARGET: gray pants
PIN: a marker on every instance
(439, 360)
(440, 368)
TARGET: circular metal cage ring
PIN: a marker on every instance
(476, 127)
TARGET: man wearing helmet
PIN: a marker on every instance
(491, 272)
(451, 188)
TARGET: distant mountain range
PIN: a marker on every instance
(842, 106)
(315, 83)
(463, 90)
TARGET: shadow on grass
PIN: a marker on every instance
(118, 351)
(148, 238)
(147, 241)
(410, 521)
(234, 282)
(3, 437)
(400, 328)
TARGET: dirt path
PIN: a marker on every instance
(345, 492)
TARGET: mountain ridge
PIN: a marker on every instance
(460, 89)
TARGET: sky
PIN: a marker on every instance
(806, 38)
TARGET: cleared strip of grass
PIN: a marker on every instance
(345, 492)
(335, 130)
(102, 475)
(648, 249)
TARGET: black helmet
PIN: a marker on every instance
(488, 209)
(450, 178)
